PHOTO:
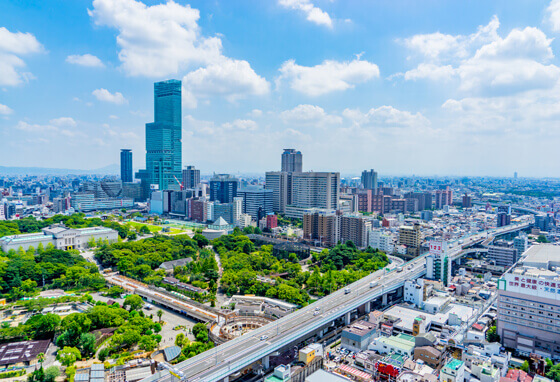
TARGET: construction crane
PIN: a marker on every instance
(179, 183)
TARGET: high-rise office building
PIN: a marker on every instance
(321, 226)
(503, 217)
(257, 201)
(467, 201)
(126, 165)
(292, 161)
(444, 197)
(503, 253)
(411, 237)
(280, 184)
(369, 179)
(163, 139)
(191, 177)
(314, 190)
(520, 243)
(223, 188)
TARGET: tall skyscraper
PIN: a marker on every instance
(223, 188)
(163, 138)
(292, 161)
(191, 177)
(369, 179)
(126, 165)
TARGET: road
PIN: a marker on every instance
(235, 354)
(218, 363)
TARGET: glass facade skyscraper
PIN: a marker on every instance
(163, 138)
(126, 165)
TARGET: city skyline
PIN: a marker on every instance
(404, 88)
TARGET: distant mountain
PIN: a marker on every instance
(112, 169)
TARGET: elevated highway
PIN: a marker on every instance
(235, 355)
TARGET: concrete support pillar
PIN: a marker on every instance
(384, 299)
(266, 362)
(226, 379)
(368, 306)
(347, 318)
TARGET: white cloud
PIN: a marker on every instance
(553, 12)
(63, 121)
(233, 79)
(312, 13)
(12, 46)
(24, 126)
(430, 71)
(484, 62)
(438, 47)
(386, 116)
(106, 96)
(87, 59)
(113, 117)
(309, 115)
(255, 113)
(5, 110)
(327, 77)
(165, 39)
(241, 124)
(158, 40)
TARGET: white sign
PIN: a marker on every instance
(438, 247)
(532, 285)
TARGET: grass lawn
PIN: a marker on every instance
(152, 228)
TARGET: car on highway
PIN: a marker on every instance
(316, 313)
(264, 337)
(347, 290)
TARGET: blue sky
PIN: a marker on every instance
(405, 87)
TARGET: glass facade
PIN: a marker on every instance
(163, 137)
(126, 165)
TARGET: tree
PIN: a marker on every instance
(157, 327)
(180, 339)
(87, 344)
(51, 373)
(68, 355)
(134, 302)
(147, 343)
(144, 230)
(492, 335)
(542, 239)
(159, 313)
(43, 326)
(70, 373)
(201, 240)
(525, 366)
(41, 358)
(554, 373)
(115, 291)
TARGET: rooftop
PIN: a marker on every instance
(454, 364)
(360, 328)
(542, 256)
(17, 352)
(324, 376)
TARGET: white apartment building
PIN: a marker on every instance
(382, 240)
